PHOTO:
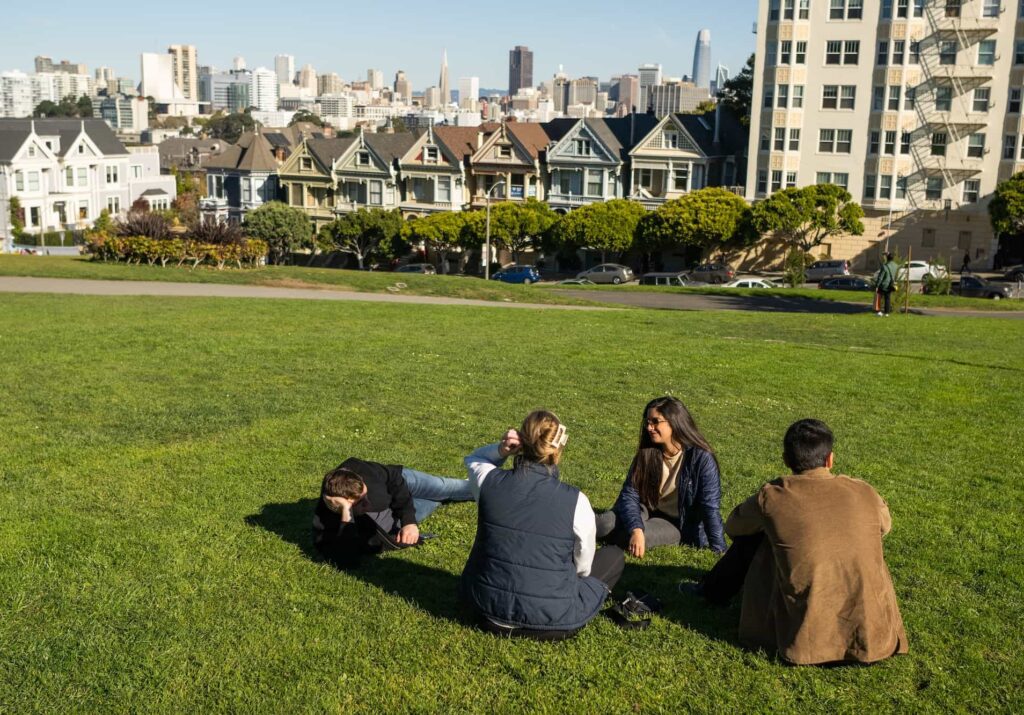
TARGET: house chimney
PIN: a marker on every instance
(279, 153)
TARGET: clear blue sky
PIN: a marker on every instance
(598, 37)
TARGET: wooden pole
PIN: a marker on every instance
(906, 297)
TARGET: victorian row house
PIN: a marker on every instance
(65, 172)
(567, 163)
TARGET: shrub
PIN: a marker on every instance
(136, 249)
(796, 267)
(144, 223)
(216, 232)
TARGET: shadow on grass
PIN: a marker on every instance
(425, 587)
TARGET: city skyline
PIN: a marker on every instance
(476, 50)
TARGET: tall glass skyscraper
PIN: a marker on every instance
(702, 59)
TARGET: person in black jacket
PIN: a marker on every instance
(673, 492)
(366, 507)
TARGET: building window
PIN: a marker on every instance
(1013, 106)
(780, 138)
(376, 194)
(1009, 146)
(981, 99)
(910, 97)
(890, 143)
(794, 139)
(939, 141)
(886, 9)
(826, 140)
(847, 96)
(899, 48)
(762, 182)
(894, 97)
(19, 181)
(990, 8)
(81, 148)
(83, 176)
(790, 179)
(805, 9)
(505, 151)
(834, 52)
(877, 99)
(914, 57)
(113, 205)
(905, 143)
(947, 52)
(785, 52)
(776, 180)
(771, 55)
(83, 211)
(1018, 52)
(783, 96)
(582, 146)
(901, 8)
(830, 96)
(933, 188)
(773, 10)
(444, 189)
(787, 9)
(595, 180)
(34, 217)
(306, 164)
(69, 176)
(869, 187)
(136, 171)
(943, 99)
(764, 143)
(976, 146)
(901, 187)
(846, 9)
(837, 11)
(430, 154)
(801, 53)
(918, 8)
(952, 8)
(885, 188)
(111, 174)
(928, 238)
(874, 141)
(987, 52)
(769, 96)
(851, 52)
(842, 180)
(883, 53)
(33, 180)
(798, 96)
(363, 158)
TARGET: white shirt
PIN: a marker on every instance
(584, 525)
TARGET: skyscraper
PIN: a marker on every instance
(238, 63)
(284, 65)
(375, 78)
(403, 88)
(186, 71)
(721, 77)
(469, 93)
(264, 90)
(650, 76)
(307, 78)
(446, 90)
(702, 59)
(520, 69)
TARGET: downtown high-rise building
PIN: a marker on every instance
(375, 78)
(329, 83)
(520, 69)
(284, 66)
(185, 70)
(469, 93)
(650, 76)
(446, 90)
(913, 107)
(307, 79)
(721, 77)
(263, 92)
(702, 59)
(403, 87)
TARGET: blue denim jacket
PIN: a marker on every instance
(700, 496)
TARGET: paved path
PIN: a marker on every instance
(765, 304)
(222, 290)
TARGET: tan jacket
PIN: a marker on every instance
(818, 589)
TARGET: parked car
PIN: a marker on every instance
(1014, 273)
(425, 268)
(608, 273)
(713, 272)
(919, 269)
(748, 283)
(518, 274)
(669, 279)
(974, 287)
(845, 283)
(820, 270)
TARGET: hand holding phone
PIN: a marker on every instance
(510, 443)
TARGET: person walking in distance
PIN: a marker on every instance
(885, 284)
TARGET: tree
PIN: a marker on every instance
(69, 106)
(304, 115)
(805, 217)
(737, 93)
(364, 232)
(397, 125)
(1006, 209)
(441, 231)
(518, 226)
(705, 107)
(606, 226)
(282, 227)
(705, 218)
(230, 127)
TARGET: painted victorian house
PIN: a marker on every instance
(307, 178)
(242, 178)
(512, 154)
(433, 172)
(366, 175)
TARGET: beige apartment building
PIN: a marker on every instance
(185, 69)
(913, 105)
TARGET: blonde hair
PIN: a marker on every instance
(542, 436)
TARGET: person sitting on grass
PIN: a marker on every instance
(807, 554)
(366, 507)
(533, 570)
(673, 491)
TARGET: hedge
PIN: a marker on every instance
(139, 249)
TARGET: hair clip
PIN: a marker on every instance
(560, 438)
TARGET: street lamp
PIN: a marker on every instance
(487, 260)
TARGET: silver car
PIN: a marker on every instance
(608, 273)
(820, 270)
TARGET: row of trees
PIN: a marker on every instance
(711, 219)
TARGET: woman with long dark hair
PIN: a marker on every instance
(673, 491)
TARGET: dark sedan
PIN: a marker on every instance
(974, 287)
(845, 283)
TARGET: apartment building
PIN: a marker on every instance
(914, 106)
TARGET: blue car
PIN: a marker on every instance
(518, 274)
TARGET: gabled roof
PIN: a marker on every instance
(559, 129)
(631, 129)
(14, 132)
(252, 153)
(327, 151)
(461, 141)
(530, 135)
(732, 137)
(391, 147)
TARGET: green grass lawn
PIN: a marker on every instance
(160, 458)
(917, 300)
(283, 276)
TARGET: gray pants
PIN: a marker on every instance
(659, 529)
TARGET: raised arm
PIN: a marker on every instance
(486, 459)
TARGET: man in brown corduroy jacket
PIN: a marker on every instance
(807, 553)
